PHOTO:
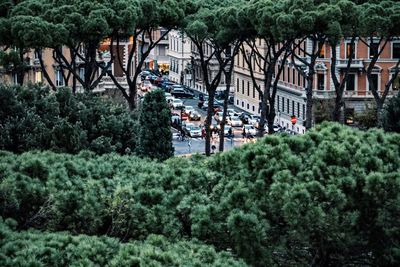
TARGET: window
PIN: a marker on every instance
(298, 110)
(237, 85)
(349, 46)
(254, 92)
(253, 108)
(288, 105)
(292, 107)
(283, 104)
(277, 103)
(320, 81)
(242, 104)
(373, 49)
(374, 82)
(248, 88)
(350, 83)
(38, 77)
(304, 111)
(283, 73)
(298, 78)
(322, 52)
(82, 73)
(396, 82)
(288, 74)
(59, 78)
(242, 87)
(396, 50)
(248, 106)
(237, 102)
(293, 76)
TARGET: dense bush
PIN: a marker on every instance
(328, 198)
(34, 118)
(34, 248)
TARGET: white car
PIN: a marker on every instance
(250, 129)
(235, 121)
(194, 116)
(188, 109)
(218, 115)
(230, 112)
(195, 131)
(146, 86)
(177, 103)
(254, 120)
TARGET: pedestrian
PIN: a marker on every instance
(244, 133)
(203, 133)
(230, 132)
(182, 134)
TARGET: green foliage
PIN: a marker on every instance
(33, 118)
(330, 197)
(323, 110)
(155, 137)
(34, 248)
(391, 115)
(368, 118)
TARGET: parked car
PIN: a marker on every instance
(194, 116)
(249, 129)
(235, 121)
(146, 86)
(181, 93)
(177, 103)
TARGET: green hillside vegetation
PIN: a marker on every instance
(33, 248)
(328, 198)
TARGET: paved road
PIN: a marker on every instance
(197, 145)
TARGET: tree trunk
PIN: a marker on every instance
(265, 103)
(210, 113)
(309, 97)
(226, 97)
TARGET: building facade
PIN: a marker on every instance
(179, 53)
(291, 96)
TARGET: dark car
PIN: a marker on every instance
(187, 88)
(165, 85)
(181, 93)
(244, 118)
(231, 99)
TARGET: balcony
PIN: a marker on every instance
(355, 64)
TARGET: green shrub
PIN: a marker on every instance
(330, 196)
(34, 248)
(33, 118)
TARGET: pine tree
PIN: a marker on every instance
(155, 137)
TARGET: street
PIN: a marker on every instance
(197, 145)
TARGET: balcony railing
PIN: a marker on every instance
(355, 63)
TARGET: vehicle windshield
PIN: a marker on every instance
(177, 101)
(195, 128)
